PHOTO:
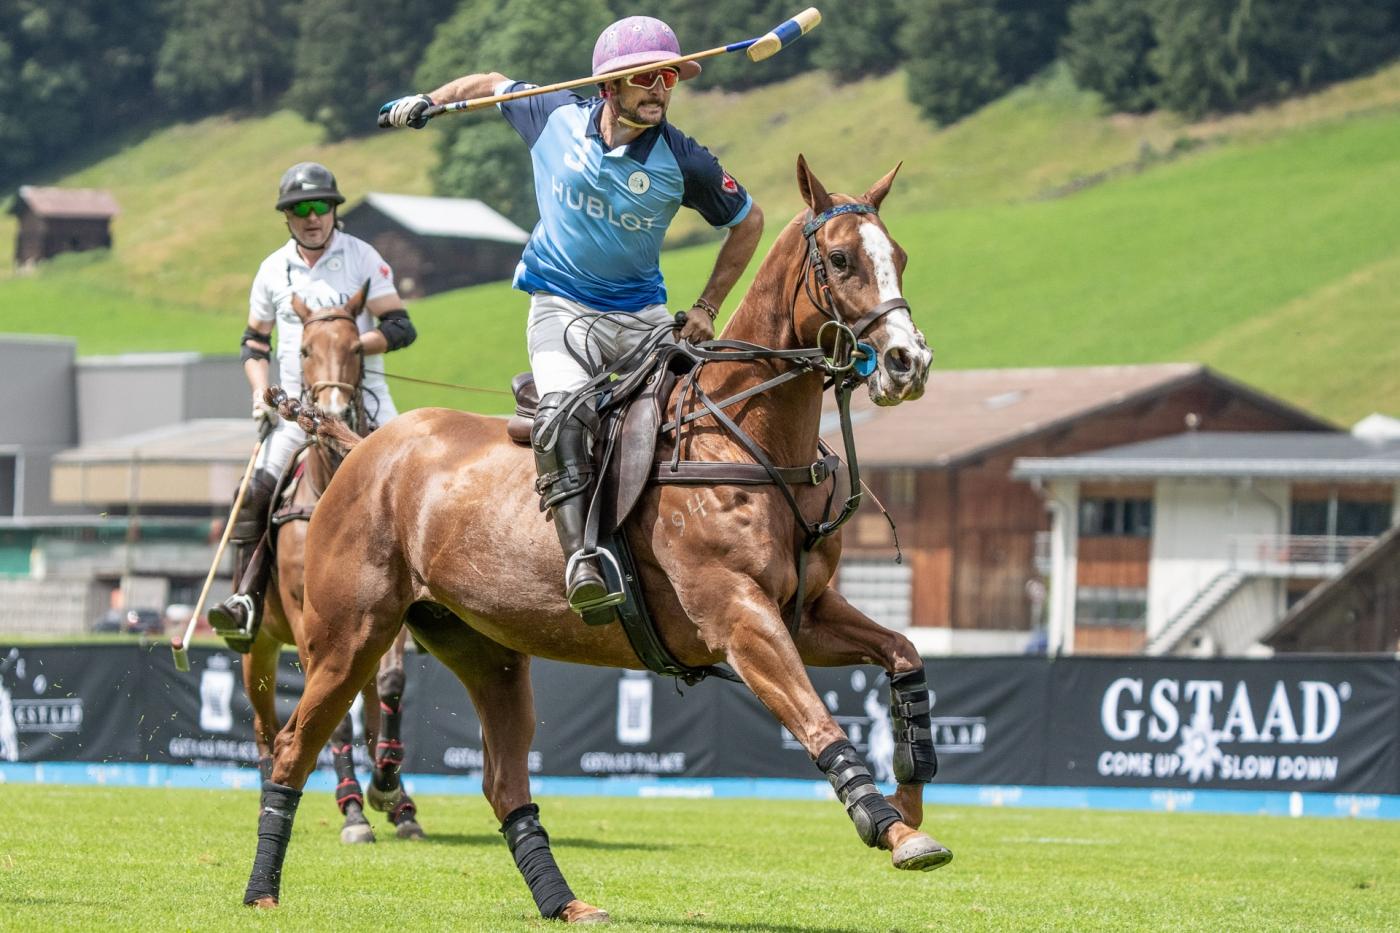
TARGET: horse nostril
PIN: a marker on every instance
(898, 361)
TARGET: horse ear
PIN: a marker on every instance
(353, 306)
(300, 307)
(877, 191)
(813, 192)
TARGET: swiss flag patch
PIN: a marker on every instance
(729, 184)
(383, 271)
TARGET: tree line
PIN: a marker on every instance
(83, 72)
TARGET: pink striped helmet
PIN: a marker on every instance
(637, 40)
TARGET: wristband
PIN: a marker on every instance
(708, 308)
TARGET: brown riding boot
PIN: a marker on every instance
(566, 478)
(236, 619)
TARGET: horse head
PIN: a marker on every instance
(332, 360)
(852, 273)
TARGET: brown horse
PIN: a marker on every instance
(332, 367)
(433, 522)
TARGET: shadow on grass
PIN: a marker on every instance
(495, 840)
(691, 923)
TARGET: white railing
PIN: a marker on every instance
(1289, 555)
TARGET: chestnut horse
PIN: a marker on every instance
(433, 522)
(332, 367)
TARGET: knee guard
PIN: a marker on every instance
(915, 760)
(855, 788)
(529, 845)
(565, 461)
(251, 522)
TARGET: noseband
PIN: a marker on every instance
(822, 300)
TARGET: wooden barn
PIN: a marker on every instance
(61, 220)
(437, 244)
(976, 541)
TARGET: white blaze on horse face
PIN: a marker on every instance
(900, 332)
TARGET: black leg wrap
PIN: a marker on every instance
(279, 808)
(529, 843)
(915, 760)
(856, 790)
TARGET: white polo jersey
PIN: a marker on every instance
(342, 270)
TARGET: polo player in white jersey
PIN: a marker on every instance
(326, 267)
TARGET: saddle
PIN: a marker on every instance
(632, 415)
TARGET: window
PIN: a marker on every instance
(902, 486)
(1107, 606)
(1115, 518)
(1307, 518)
(879, 588)
(8, 493)
(1362, 519)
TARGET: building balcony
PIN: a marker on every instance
(1294, 555)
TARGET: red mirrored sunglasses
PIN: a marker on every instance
(644, 80)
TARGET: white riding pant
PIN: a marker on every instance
(558, 325)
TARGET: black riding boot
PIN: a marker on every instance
(236, 618)
(566, 477)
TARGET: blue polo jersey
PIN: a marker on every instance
(603, 214)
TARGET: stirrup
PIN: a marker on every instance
(238, 638)
(592, 609)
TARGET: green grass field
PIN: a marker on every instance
(84, 859)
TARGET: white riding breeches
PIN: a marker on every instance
(597, 339)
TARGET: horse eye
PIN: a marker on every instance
(838, 259)
(305, 352)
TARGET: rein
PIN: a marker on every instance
(849, 365)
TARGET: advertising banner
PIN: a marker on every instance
(61, 704)
(1286, 724)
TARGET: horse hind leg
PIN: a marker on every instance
(348, 795)
(498, 681)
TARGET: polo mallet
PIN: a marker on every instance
(765, 46)
(180, 646)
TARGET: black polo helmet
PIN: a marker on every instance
(307, 181)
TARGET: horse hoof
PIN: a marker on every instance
(263, 903)
(920, 853)
(579, 912)
(409, 829)
(384, 800)
(355, 833)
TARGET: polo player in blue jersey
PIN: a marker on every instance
(610, 173)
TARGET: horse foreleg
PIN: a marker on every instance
(349, 797)
(340, 658)
(836, 634)
(762, 653)
(260, 683)
(386, 792)
(498, 680)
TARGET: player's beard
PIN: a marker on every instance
(634, 117)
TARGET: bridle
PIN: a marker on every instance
(813, 278)
(356, 417)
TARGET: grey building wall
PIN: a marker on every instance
(118, 395)
(39, 417)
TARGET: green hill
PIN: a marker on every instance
(1040, 231)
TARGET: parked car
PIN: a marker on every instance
(131, 622)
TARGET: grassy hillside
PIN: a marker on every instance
(1040, 232)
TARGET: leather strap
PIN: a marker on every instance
(712, 473)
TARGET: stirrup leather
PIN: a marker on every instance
(589, 606)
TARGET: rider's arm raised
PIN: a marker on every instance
(468, 87)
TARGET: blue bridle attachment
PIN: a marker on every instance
(864, 360)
